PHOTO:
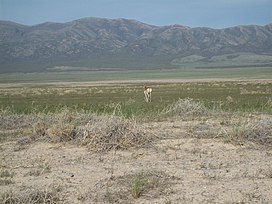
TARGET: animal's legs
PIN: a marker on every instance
(146, 96)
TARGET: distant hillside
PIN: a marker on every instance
(93, 43)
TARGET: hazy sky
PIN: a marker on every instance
(193, 13)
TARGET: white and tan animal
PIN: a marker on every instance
(147, 93)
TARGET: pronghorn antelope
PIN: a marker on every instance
(147, 93)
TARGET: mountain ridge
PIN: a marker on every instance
(100, 42)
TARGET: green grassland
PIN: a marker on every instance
(128, 99)
(236, 89)
(91, 76)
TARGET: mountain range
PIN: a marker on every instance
(97, 43)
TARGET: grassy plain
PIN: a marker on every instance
(202, 139)
(232, 96)
(98, 76)
(237, 89)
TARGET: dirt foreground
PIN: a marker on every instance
(182, 166)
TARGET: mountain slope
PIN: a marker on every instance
(95, 42)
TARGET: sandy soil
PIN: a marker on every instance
(183, 169)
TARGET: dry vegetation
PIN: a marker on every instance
(99, 133)
(188, 154)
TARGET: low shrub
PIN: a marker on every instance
(104, 133)
(98, 132)
(187, 107)
(259, 131)
(61, 132)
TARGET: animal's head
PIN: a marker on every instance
(145, 86)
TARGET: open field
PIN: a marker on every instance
(244, 73)
(202, 140)
(231, 96)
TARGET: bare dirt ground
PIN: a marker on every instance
(188, 163)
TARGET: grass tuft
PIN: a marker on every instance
(188, 107)
(123, 189)
(99, 132)
(6, 177)
(105, 133)
(32, 196)
(138, 185)
(259, 131)
(61, 132)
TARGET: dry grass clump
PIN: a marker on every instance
(187, 107)
(61, 132)
(59, 127)
(14, 126)
(98, 132)
(259, 131)
(32, 196)
(204, 129)
(40, 128)
(105, 133)
(15, 121)
(6, 177)
(57, 132)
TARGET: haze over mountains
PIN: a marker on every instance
(95, 43)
